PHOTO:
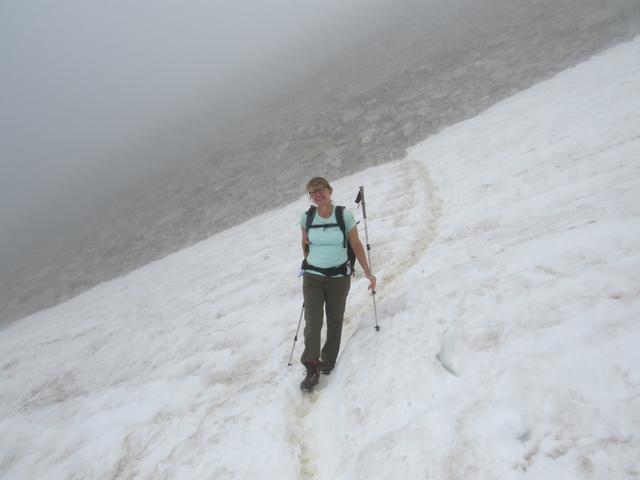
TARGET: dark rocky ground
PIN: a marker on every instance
(421, 71)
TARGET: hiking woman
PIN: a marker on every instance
(327, 231)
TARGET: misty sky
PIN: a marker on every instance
(84, 80)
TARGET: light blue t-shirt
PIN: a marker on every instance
(327, 244)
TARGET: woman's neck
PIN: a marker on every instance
(325, 210)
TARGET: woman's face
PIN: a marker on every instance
(320, 195)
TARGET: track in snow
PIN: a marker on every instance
(391, 219)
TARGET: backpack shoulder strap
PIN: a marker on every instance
(310, 214)
(340, 221)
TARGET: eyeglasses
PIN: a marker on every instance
(316, 191)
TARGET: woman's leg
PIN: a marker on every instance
(337, 289)
(314, 298)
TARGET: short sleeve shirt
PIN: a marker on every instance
(327, 247)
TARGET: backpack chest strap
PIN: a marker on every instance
(324, 225)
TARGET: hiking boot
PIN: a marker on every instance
(312, 376)
(326, 367)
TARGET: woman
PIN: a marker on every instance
(326, 279)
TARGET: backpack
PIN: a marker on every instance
(346, 268)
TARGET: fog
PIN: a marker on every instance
(87, 86)
(129, 130)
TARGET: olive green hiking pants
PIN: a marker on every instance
(322, 293)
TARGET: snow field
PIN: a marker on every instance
(507, 249)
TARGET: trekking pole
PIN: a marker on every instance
(295, 339)
(360, 199)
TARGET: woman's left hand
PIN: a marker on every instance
(372, 282)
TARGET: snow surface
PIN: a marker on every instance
(507, 249)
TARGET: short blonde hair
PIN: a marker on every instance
(317, 182)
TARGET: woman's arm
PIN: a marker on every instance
(361, 256)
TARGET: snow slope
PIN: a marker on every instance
(508, 254)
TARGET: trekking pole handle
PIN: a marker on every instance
(364, 207)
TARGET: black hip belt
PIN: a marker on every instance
(344, 269)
